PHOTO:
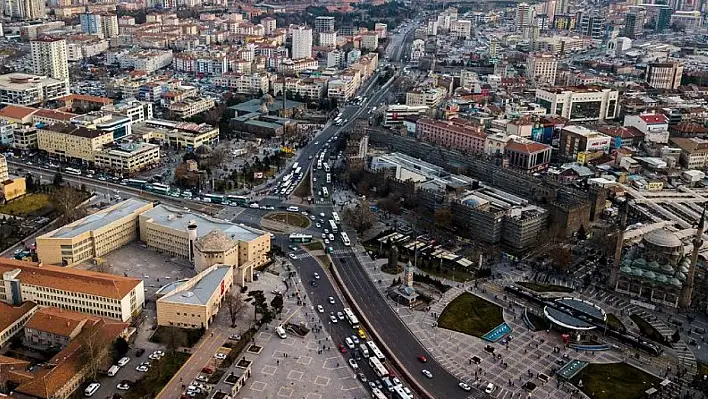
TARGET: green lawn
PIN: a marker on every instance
(648, 331)
(157, 377)
(314, 246)
(471, 315)
(177, 337)
(26, 205)
(539, 287)
(289, 218)
(614, 322)
(614, 381)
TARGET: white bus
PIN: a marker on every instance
(400, 393)
(378, 368)
(351, 317)
(298, 171)
(329, 178)
(345, 239)
(336, 218)
(375, 351)
(325, 192)
(299, 237)
(72, 171)
(333, 226)
(295, 165)
(377, 394)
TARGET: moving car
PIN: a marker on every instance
(142, 369)
(352, 363)
(333, 318)
(427, 373)
(320, 309)
(123, 385)
(331, 300)
(342, 348)
(340, 315)
(422, 359)
(316, 276)
(123, 361)
(349, 342)
(281, 332)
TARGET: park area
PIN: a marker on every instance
(289, 218)
(614, 381)
(29, 205)
(472, 315)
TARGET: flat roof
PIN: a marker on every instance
(178, 219)
(200, 293)
(98, 219)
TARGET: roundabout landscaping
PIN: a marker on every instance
(288, 218)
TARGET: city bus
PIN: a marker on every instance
(319, 163)
(329, 178)
(378, 368)
(336, 218)
(345, 239)
(375, 351)
(238, 200)
(295, 166)
(333, 226)
(159, 188)
(136, 183)
(72, 171)
(351, 317)
(298, 171)
(325, 192)
(400, 393)
(299, 237)
(377, 394)
(213, 198)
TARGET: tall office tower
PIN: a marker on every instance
(49, 58)
(593, 26)
(630, 25)
(302, 43)
(26, 9)
(91, 23)
(109, 23)
(522, 15)
(664, 75)
(663, 20)
(562, 6)
(324, 24)
(541, 68)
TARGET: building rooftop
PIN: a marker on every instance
(68, 279)
(254, 106)
(178, 219)
(202, 290)
(17, 112)
(22, 81)
(10, 314)
(58, 321)
(583, 131)
(75, 130)
(98, 219)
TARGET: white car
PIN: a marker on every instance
(333, 318)
(322, 214)
(326, 231)
(142, 369)
(331, 300)
(304, 213)
(427, 373)
(323, 236)
(123, 361)
(355, 339)
(489, 388)
(320, 309)
(316, 276)
(202, 378)
(319, 226)
(326, 241)
(349, 342)
(340, 315)
(312, 217)
(292, 256)
(352, 363)
(464, 386)
(123, 386)
(219, 356)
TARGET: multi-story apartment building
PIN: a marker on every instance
(33, 31)
(694, 152)
(429, 96)
(687, 19)
(4, 171)
(590, 103)
(109, 24)
(461, 29)
(25, 9)
(97, 294)
(243, 83)
(7, 133)
(455, 133)
(370, 41)
(25, 137)
(79, 47)
(324, 24)
(576, 140)
(71, 142)
(541, 68)
(664, 75)
(203, 63)
(191, 106)
(292, 66)
(301, 42)
(148, 61)
(137, 111)
(527, 155)
(92, 236)
(310, 88)
(49, 58)
(128, 158)
(91, 23)
(269, 25)
(177, 134)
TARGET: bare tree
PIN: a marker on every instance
(234, 303)
(103, 266)
(92, 347)
(68, 201)
(360, 217)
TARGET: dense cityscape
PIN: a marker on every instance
(325, 200)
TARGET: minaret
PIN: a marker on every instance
(612, 281)
(687, 289)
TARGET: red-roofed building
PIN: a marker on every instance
(654, 126)
(622, 136)
(17, 114)
(527, 155)
(456, 133)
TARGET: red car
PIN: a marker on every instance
(422, 359)
(342, 348)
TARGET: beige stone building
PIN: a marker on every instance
(92, 236)
(128, 157)
(204, 240)
(72, 142)
(194, 303)
(11, 189)
(177, 134)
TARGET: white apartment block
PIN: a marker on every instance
(128, 158)
(370, 41)
(109, 24)
(49, 58)
(4, 171)
(137, 111)
(541, 68)
(23, 89)
(310, 88)
(85, 47)
(580, 103)
(142, 60)
(429, 97)
(205, 63)
(243, 83)
(341, 89)
(301, 43)
(461, 29)
(297, 65)
(328, 39)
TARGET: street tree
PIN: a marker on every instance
(234, 304)
(68, 202)
(58, 179)
(277, 303)
(360, 217)
(92, 348)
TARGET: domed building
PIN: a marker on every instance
(656, 269)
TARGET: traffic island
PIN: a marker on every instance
(471, 315)
(614, 381)
(291, 219)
